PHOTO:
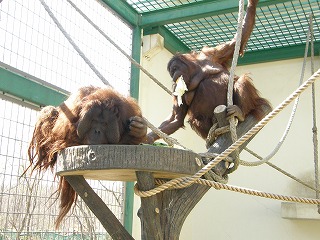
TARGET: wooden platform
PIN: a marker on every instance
(120, 162)
(143, 163)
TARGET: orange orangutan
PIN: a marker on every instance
(205, 77)
(90, 116)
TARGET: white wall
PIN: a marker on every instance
(228, 215)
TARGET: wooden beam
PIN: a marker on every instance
(98, 207)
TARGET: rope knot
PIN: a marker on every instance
(314, 130)
(216, 131)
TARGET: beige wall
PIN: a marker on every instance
(228, 215)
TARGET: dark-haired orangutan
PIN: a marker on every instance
(90, 116)
(201, 83)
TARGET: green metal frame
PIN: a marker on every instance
(171, 42)
(193, 11)
(134, 91)
(155, 21)
(124, 10)
(277, 54)
(34, 92)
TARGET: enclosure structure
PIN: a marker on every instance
(279, 34)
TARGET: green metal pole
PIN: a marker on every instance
(134, 91)
(135, 71)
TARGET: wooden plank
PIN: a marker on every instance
(120, 162)
(98, 207)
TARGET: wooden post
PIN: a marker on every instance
(176, 205)
(162, 215)
(149, 213)
(220, 113)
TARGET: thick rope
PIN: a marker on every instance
(74, 45)
(314, 128)
(134, 62)
(282, 171)
(291, 118)
(232, 121)
(186, 181)
(219, 186)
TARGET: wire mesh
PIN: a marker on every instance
(277, 25)
(32, 43)
(148, 6)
